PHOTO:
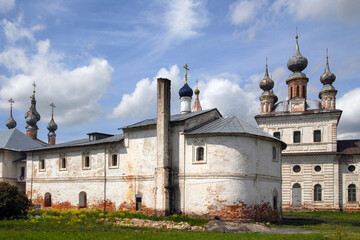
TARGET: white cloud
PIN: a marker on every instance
(222, 92)
(142, 101)
(14, 30)
(243, 11)
(251, 16)
(184, 18)
(6, 5)
(349, 124)
(325, 10)
(75, 92)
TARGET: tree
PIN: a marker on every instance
(13, 204)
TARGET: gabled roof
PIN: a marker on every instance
(230, 125)
(83, 142)
(15, 140)
(173, 118)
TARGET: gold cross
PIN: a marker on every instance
(186, 69)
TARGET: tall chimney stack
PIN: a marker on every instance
(163, 168)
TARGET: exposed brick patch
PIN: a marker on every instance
(131, 206)
(103, 205)
(242, 212)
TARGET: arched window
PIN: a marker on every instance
(200, 154)
(274, 153)
(47, 200)
(291, 92)
(63, 163)
(275, 200)
(352, 193)
(82, 200)
(317, 192)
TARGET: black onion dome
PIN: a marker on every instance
(52, 126)
(328, 77)
(185, 91)
(267, 83)
(10, 123)
(297, 62)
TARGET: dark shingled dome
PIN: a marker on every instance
(186, 91)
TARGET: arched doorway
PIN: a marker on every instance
(296, 195)
(82, 200)
(47, 200)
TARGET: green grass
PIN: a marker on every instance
(82, 224)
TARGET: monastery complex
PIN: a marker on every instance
(197, 162)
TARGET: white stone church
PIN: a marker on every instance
(318, 171)
(196, 162)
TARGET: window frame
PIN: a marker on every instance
(197, 144)
(317, 193)
(317, 135)
(42, 166)
(62, 156)
(277, 133)
(275, 155)
(295, 140)
(111, 160)
(86, 155)
(352, 193)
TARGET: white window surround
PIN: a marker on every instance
(199, 142)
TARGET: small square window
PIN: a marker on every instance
(296, 136)
(317, 136)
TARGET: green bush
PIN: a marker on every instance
(13, 204)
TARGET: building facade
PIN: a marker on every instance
(197, 163)
(318, 171)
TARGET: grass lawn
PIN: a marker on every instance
(81, 224)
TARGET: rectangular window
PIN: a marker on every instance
(114, 162)
(277, 135)
(42, 164)
(296, 136)
(22, 173)
(86, 161)
(63, 163)
(317, 136)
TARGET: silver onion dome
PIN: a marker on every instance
(266, 83)
(10, 123)
(297, 62)
(52, 126)
(328, 77)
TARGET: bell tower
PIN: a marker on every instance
(297, 81)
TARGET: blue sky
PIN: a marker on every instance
(98, 60)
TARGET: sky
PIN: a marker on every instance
(98, 61)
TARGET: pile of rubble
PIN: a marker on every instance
(135, 222)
